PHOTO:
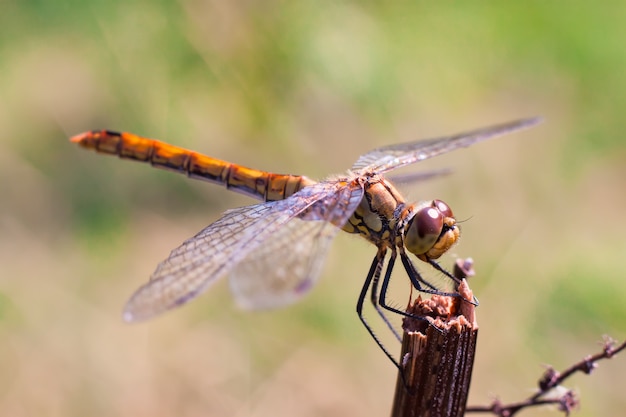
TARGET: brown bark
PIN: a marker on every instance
(437, 356)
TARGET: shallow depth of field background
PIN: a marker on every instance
(302, 87)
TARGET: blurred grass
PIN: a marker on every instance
(301, 87)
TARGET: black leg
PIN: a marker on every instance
(417, 280)
(453, 278)
(374, 296)
(383, 293)
(375, 270)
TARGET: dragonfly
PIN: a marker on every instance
(274, 251)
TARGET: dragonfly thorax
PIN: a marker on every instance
(431, 230)
(377, 215)
(427, 230)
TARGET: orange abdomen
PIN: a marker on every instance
(262, 185)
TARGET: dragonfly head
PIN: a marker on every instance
(431, 231)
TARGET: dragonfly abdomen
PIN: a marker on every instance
(258, 184)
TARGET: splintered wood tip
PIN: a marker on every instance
(445, 312)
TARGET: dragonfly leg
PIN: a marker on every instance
(382, 299)
(375, 270)
(453, 278)
(420, 283)
(375, 296)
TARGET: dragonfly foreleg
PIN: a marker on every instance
(420, 283)
(453, 278)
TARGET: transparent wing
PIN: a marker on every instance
(216, 250)
(287, 265)
(395, 156)
(415, 177)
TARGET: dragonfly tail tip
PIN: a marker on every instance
(78, 138)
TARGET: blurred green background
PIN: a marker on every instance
(302, 87)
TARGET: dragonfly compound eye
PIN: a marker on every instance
(443, 208)
(432, 231)
(424, 229)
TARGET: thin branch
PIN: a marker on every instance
(552, 379)
(566, 403)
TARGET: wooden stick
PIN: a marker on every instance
(437, 355)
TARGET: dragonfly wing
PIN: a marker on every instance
(201, 260)
(287, 265)
(394, 156)
(415, 177)
(192, 267)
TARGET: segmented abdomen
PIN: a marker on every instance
(262, 185)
